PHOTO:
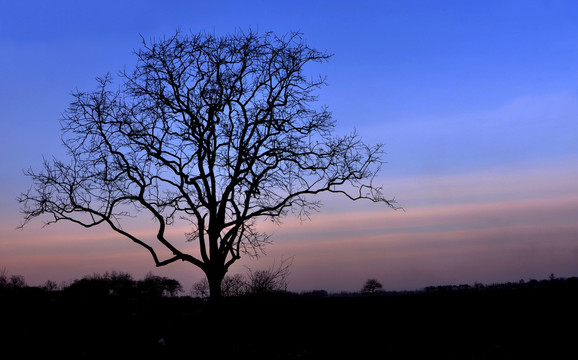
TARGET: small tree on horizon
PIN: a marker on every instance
(371, 286)
(12, 281)
(270, 280)
(234, 285)
(212, 133)
(201, 288)
(50, 285)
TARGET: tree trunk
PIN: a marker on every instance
(215, 279)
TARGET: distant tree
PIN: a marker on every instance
(150, 286)
(214, 132)
(12, 281)
(89, 286)
(235, 285)
(3, 278)
(201, 288)
(371, 286)
(172, 287)
(480, 286)
(272, 279)
(50, 285)
(17, 281)
(157, 286)
(120, 283)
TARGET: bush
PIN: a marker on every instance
(122, 284)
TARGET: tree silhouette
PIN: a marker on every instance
(154, 285)
(234, 285)
(12, 281)
(123, 285)
(201, 288)
(270, 280)
(50, 285)
(211, 132)
(371, 286)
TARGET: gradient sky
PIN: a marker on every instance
(475, 101)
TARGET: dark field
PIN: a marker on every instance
(537, 321)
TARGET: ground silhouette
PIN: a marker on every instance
(502, 321)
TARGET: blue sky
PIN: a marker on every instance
(475, 101)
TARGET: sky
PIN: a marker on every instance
(476, 103)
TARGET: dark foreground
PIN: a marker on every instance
(529, 323)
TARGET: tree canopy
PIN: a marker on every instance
(217, 132)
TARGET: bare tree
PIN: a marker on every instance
(3, 278)
(234, 285)
(17, 281)
(201, 288)
(12, 281)
(50, 285)
(271, 279)
(217, 132)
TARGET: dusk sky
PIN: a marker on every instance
(476, 103)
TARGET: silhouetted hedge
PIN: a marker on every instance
(122, 285)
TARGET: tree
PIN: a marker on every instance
(3, 279)
(17, 281)
(371, 286)
(97, 285)
(201, 288)
(234, 285)
(212, 132)
(157, 286)
(12, 281)
(272, 279)
(50, 285)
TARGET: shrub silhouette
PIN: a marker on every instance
(371, 286)
(123, 285)
(157, 286)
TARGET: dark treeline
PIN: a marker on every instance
(266, 282)
(112, 315)
(117, 284)
(552, 283)
(122, 284)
